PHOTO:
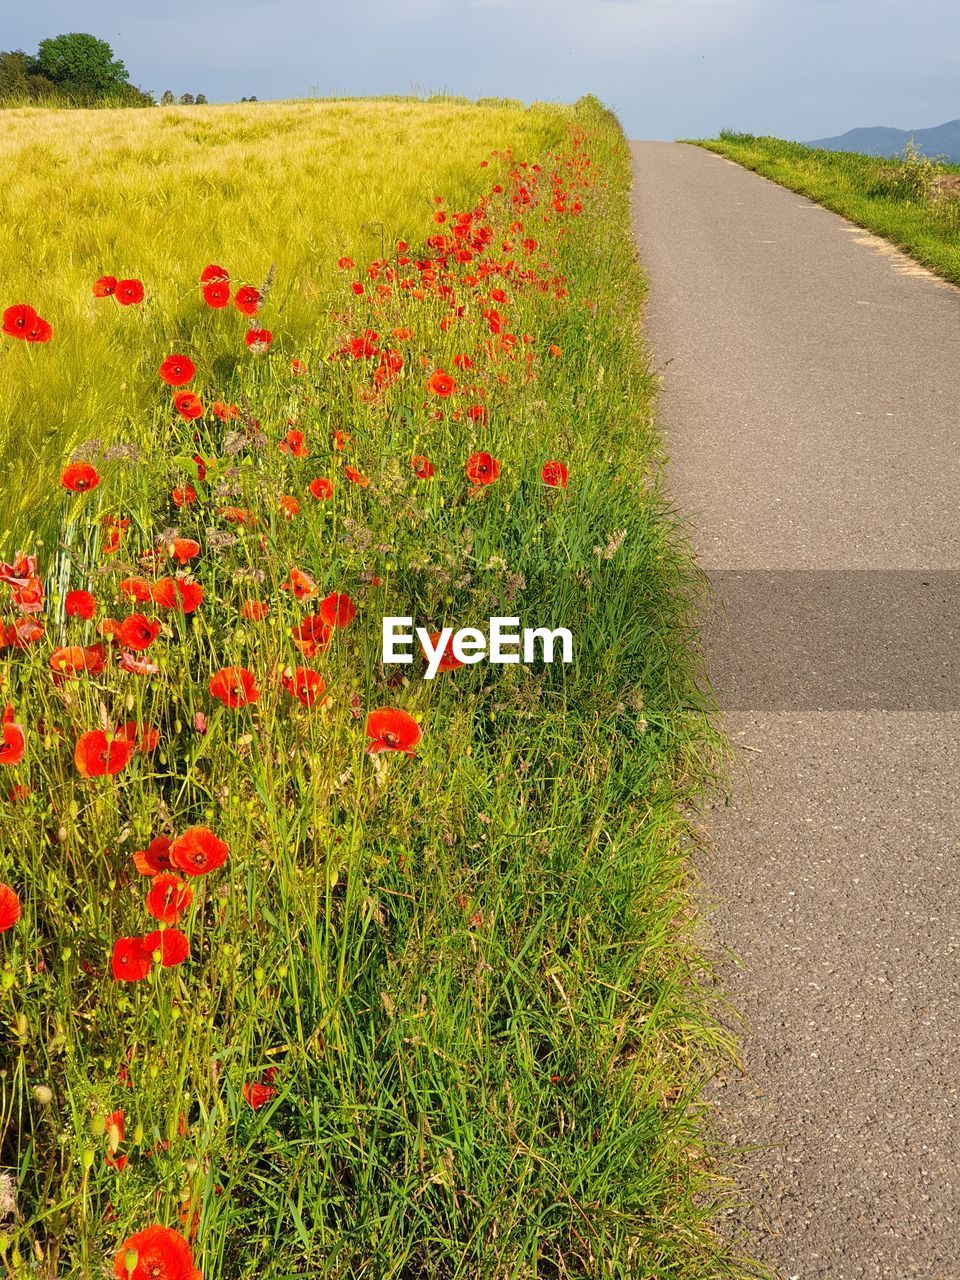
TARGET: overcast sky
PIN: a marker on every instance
(670, 68)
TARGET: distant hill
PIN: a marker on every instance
(942, 140)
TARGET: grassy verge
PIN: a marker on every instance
(425, 1013)
(912, 202)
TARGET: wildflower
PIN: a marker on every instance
(234, 687)
(157, 1253)
(138, 666)
(247, 300)
(422, 466)
(311, 636)
(98, 753)
(449, 660)
(300, 584)
(21, 321)
(183, 549)
(198, 851)
(184, 497)
(321, 488)
(131, 961)
(176, 371)
(129, 292)
(390, 729)
(337, 610)
(177, 593)
(155, 859)
(173, 946)
(79, 477)
(254, 610)
(105, 287)
(168, 897)
(555, 351)
(143, 736)
(215, 286)
(258, 339)
(345, 264)
(72, 659)
(554, 474)
(225, 412)
(298, 367)
(9, 907)
(13, 740)
(80, 604)
(289, 506)
(293, 444)
(138, 632)
(136, 589)
(258, 1095)
(356, 477)
(306, 685)
(482, 468)
(441, 384)
(188, 405)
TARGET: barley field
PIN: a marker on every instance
(312, 965)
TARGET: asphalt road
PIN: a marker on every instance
(811, 405)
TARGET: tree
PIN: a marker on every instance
(201, 99)
(186, 99)
(81, 64)
(168, 99)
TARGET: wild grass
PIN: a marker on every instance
(466, 982)
(913, 201)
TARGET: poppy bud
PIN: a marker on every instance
(86, 1160)
(130, 1259)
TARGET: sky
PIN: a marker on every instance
(800, 69)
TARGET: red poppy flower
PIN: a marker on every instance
(254, 610)
(173, 945)
(136, 664)
(21, 321)
(238, 515)
(289, 506)
(306, 685)
(554, 474)
(137, 589)
(23, 632)
(176, 371)
(137, 632)
(422, 466)
(13, 740)
(161, 1254)
(311, 636)
(184, 549)
(215, 286)
(300, 584)
(482, 468)
(356, 477)
(80, 604)
(131, 961)
(152, 861)
(72, 659)
(143, 736)
(183, 497)
(129, 292)
(462, 362)
(168, 897)
(188, 405)
(176, 593)
(298, 367)
(321, 488)
(258, 339)
(225, 412)
(258, 1095)
(247, 300)
(449, 660)
(345, 264)
(105, 287)
(9, 907)
(441, 384)
(234, 686)
(293, 443)
(198, 851)
(337, 610)
(98, 754)
(78, 477)
(390, 729)
(340, 440)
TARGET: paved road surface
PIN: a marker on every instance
(812, 410)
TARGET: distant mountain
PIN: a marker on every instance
(942, 140)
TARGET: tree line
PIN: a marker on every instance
(77, 70)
